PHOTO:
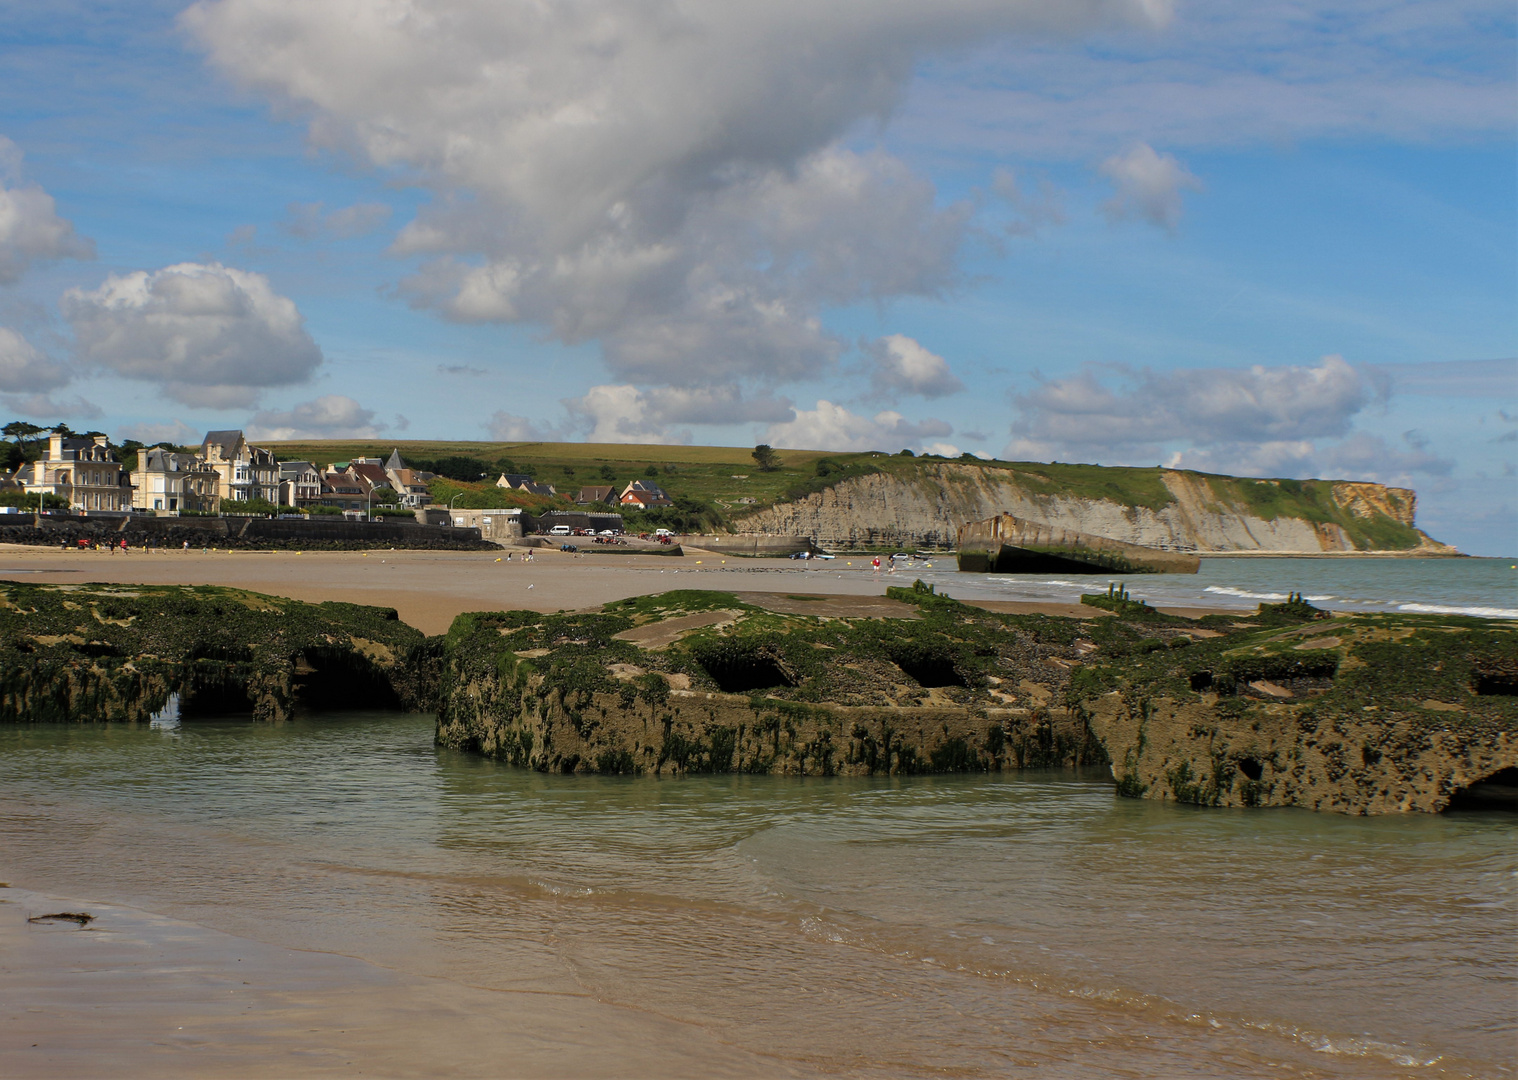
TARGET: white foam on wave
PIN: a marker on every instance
(1228, 590)
(1460, 609)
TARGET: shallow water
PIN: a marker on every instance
(973, 926)
(1481, 587)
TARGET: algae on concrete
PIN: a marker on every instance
(117, 652)
(1360, 714)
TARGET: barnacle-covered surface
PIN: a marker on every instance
(1359, 714)
(117, 652)
(741, 687)
(1362, 714)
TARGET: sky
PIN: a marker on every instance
(1277, 239)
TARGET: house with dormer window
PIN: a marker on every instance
(243, 471)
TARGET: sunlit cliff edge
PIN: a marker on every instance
(1160, 508)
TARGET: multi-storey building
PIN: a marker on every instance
(300, 484)
(409, 484)
(243, 471)
(170, 482)
(83, 470)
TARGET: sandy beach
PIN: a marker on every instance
(158, 997)
(429, 588)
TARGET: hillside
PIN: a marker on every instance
(851, 500)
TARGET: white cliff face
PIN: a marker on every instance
(927, 510)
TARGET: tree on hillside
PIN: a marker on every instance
(766, 458)
(608, 474)
(20, 431)
(457, 467)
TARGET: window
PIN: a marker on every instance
(158, 504)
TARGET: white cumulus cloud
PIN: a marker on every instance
(207, 334)
(833, 427)
(331, 416)
(664, 179)
(901, 364)
(1148, 186)
(30, 229)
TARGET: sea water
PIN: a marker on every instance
(982, 925)
(1481, 587)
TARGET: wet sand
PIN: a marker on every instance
(136, 994)
(430, 588)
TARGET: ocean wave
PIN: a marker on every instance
(1461, 609)
(1229, 590)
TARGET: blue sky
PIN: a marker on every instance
(1277, 241)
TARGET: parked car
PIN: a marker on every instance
(561, 530)
(568, 547)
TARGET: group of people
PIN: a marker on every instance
(88, 543)
(91, 544)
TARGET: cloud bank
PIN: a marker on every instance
(331, 416)
(833, 427)
(1282, 421)
(666, 180)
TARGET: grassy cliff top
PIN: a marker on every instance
(729, 479)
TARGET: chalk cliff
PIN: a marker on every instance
(1183, 511)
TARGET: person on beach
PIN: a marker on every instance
(186, 547)
(875, 562)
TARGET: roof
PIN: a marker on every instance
(340, 482)
(394, 461)
(513, 480)
(156, 457)
(595, 493)
(538, 489)
(229, 437)
(372, 473)
(408, 478)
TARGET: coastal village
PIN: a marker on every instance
(228, 475)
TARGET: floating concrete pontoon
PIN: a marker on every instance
(1011, 545)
